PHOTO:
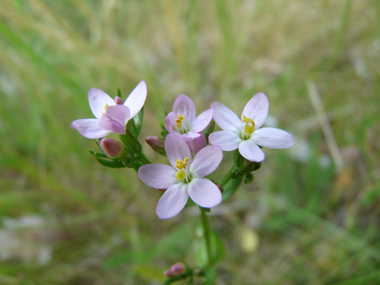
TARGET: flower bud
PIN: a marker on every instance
(111, 147)
(178, 268)
(119, 101)
(169, 273)
(156, 144)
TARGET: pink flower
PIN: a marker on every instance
(184, 178)
(246, 133)
(110, 116)
(183, 120)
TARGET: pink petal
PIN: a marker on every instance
(172, 201)
(185, 106)
(176, 148)
(189, 136)
(115, 119)
(204, 193)
(257, 109)
(202, 121)
(197, 144)
(249, 150)
(170, 121)
(98, 101)
(272, 138)
(89, 128)
(227, 140)
(225, 118)
(136, 99)
(206, 160)
(158, 176)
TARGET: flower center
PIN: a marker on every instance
(249, 125)
(180, 124)
(181, 166)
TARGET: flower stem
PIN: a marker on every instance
(227, 177)
(206, 232)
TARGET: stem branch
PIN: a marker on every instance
(206, 232)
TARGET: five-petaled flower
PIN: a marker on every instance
(110, 116)
(246, 133)
(184, 178)
(183, 119)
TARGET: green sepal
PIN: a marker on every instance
(190, 203)
(164, 132)
(100, 154)
(248, 178)
(238, 159)
(138, 121)
(118, 92)
(131, 143)
(230, 188)
(109, 163)
(209, 129)
(207, 210)
(253, 166)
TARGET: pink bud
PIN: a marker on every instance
(111, 147)
(162, 190)
(155, 143)
(119, 101)
(169, 273)
(178, 268)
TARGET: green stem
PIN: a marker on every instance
(206, 232)
(227, 177)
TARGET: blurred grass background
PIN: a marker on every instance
(310, 217)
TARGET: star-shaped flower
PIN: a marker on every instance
(184, 178)
(110, 116)
(183, 119)
(246, 133)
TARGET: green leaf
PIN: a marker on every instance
(230, 188)
(210, 275)
(109, 163)
(99, 154)
(218, 250)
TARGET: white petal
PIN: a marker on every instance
(227, 140)
(158, 176)
(206, 160)
(202, 121)
(136, 99)
(172, 201)
(89, 128)
(204, 193)
(257, 109)
(272, 138)
(98, 101)
(176, 148)
(249, 150)
(225, 118)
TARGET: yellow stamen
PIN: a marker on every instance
(181, 164)
(180, 120)
(249, 125)
(180, 175)
(105, 108)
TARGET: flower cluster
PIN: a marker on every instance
(183, 142)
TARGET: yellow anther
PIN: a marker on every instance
(249, 125)
(180, 120)
(105, 108)
(181, 164)
(180, 175)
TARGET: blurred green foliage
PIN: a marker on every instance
(317, 223)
